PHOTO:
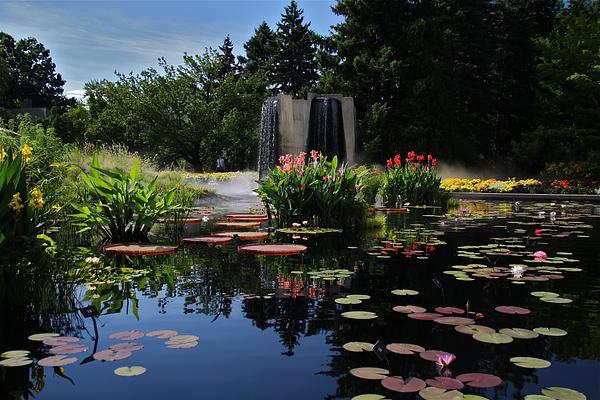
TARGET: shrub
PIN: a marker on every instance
(319, 191)
(416, 182)
(119, 206)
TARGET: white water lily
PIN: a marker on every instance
(517, 271)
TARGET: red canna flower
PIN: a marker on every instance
(397, 161)
(434, 162)
(420, 158)
(389, 163)
(429, 157)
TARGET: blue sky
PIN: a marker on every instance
(91, 39)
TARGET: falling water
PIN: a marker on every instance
(268, 143)
(326, 129)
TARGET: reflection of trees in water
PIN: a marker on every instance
(32, 300)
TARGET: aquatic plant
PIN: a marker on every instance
(319, 191)
(415, 181)
(120, 207)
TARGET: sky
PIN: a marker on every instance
(90, 40)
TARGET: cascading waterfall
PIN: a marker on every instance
(268, 141)
(326, 127)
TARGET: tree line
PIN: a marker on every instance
(507, 83)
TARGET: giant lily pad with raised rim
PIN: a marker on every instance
(208, 240)
(398, 384)
(492, 338)
(519, 333)
(479, 380)
(550, 331)
(243, 235)
(404, 348)
(433, 393)
(126, 249)
(134, 370)
(359, 315)
(513, 310)
(562, 393)
(530, 362)
(370, 373)
(358, 347)
(273, 249)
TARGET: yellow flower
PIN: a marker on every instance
(37, 201)
(26, 151)
(15, 203)
(56, 207)
(2, 154)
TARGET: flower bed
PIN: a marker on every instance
(563, 186)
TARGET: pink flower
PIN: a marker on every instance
(304, 223)
(295, 237)
(538, 232)
(540, 255)
(445, 360)
(296, 225)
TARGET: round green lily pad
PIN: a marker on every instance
(40, 337)
(550, 331)
(519, 333)
(370, 373)
(405, 292)
(359, 296)
(15, 354)
(562, 393)
(359, 315)
(473, 397)
(369, 396)
(530, 362)
(493, 338)
(16, 362)
(544, 294)
(346, 300)
(130, 371)
(433, 393)
(556, 300)
(358, 347)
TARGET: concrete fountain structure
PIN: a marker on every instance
(324, 123)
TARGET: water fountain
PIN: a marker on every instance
(319, 122)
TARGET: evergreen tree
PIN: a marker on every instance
(226, 58)
(260, 49)
(294, 63)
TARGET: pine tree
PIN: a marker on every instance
(226, 57)
(294, 63)
(260, 49)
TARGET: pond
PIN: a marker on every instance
(270, 327)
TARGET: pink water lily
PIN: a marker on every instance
(296, 225)
(540, 255)
(445, 360)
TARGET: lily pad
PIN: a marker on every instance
(346, 300)
(479, 380)
(57, 361)
(369, 396)
(493, 338)
(179, 339)
(398, 384)
(358, 347)
(454, 321)
(162, 334)
(424, 316)
(68, 349)
(359, 315)
(15, 354)
(556, 300)
(409, 309)
(404, 348)
(16, 362)
(473, 329)
(405, 292)
(449, 310)
(432, 355)
(473, 397)
(59, 341)
(433, 393)
(519, 333)
(39, 337)
(550, 331)
(544, 294)
(370, 373)
(127, 346)
(127, 335)
(130, 371)
(537, 397)
(562, 393)
(112, 355)
(530, 362)
(359, 296)
(513, 310)
(443, 382)
(182, 345)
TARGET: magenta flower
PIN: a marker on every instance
(540, 255)
(445, 360)
(296, 225)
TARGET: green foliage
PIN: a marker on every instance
(120, 207)
(371, 181)
(319, 191)
(260, 49)
(71, 126)
(415, 182)
(294, 64)
(30, 74)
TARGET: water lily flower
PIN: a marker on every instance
(304, 223)
(205, 218)
(444, 360)
(517, 271)
(538, 232)
(296, 225)
(295, 237)
(553, 215)
(540, 255)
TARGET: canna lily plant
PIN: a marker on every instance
(119, 206)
